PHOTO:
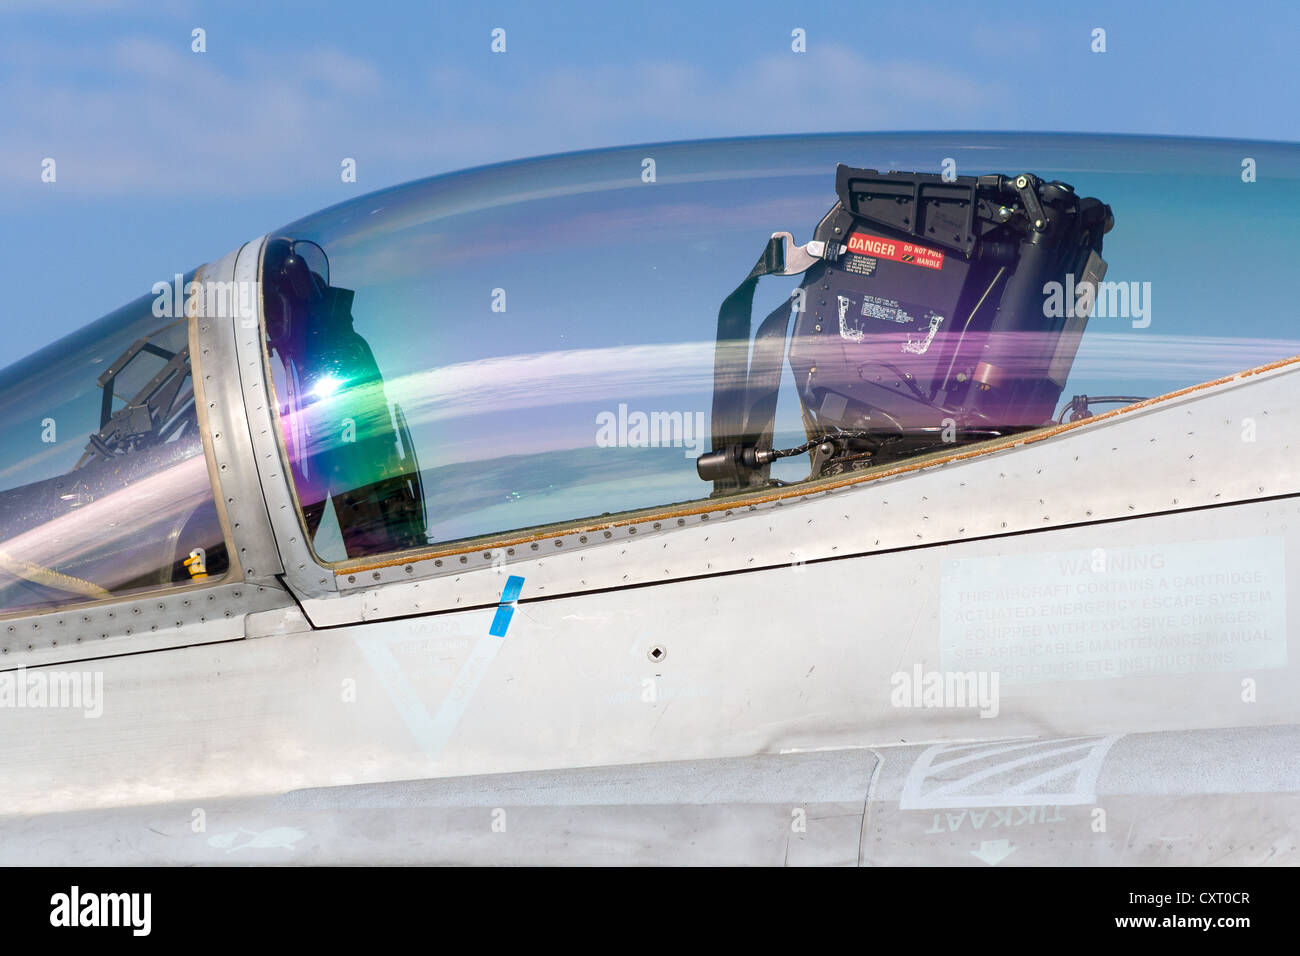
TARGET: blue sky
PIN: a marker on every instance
(168, 158)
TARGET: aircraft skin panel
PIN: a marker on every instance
(828, 808)
(761, 662)
(178, 617)
(1144, 803)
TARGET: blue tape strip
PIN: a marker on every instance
(510, 593)
(505, 610)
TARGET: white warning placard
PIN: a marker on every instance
(1175, 608)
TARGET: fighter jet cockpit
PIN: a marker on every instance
(636, 334)
(579, 339)
(524, 480)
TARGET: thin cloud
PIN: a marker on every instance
(143, 116)
(160, 120)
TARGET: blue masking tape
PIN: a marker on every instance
(505, 611)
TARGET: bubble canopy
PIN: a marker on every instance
(534, 344)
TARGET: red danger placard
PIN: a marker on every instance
(867, 245)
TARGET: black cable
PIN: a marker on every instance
(1089, 400)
